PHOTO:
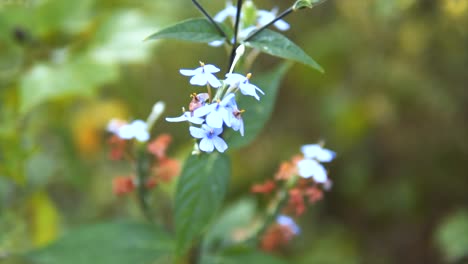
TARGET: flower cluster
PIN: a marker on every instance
(163, 168)
(279, 233)
(301, 180)
(208, 114)
(251, 20)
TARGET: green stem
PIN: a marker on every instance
(218, 28)
(142, 170)
(280, 16)
(236, 31)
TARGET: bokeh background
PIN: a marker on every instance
(393, 104)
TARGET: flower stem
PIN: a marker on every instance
(218, 28)
(142, 169)
(236, 31)
(280, 16)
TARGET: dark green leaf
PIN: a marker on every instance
(200, 192)
(114, 243)
(278, 45)
(194, 30)
(243, 255)
(258, 113)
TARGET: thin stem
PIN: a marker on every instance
(280, 16)
(218, 28)
(209, 92)
(142, 168)
(236, 31)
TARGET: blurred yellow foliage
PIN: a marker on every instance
(455, 8)
(90, 121)
(45, 219)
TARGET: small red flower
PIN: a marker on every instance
(167, 169)
(267, 187)
(117, 148)
(159, 146)
(275, 237)
(122, 185)
(296, 202)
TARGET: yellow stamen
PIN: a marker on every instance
(201, 63)
(248, 75)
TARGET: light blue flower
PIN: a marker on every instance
(216, 113)
(209, 138)
(237, 124)
(187, 116)
(138, 130)
(317, 152)
(265, 17)
(235, 80)
(288, 222)
(308, 168)
(203, 75)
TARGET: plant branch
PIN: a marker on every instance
(280, 16)
(142, 168)
(236, 31)
(218, 28)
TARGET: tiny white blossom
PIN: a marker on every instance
(315, 151)
(229, 11)
(209, 138)
(311, 168)
(186, 116)
(236, 80)
(265, 17)
(137, 130)
(203, 75)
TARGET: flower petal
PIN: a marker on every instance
(212, 80)
(310, 168)
(214, 119)
(187, 72)
(219, 143)
(206, 145)
(199, 79)
(197, 132)
(210, 68)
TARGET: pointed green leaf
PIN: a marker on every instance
(278, 45)
(257, 113)
(242, 255)
(194, 30)
(109, 243)
(199, 194)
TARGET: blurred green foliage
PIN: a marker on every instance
(393, 104)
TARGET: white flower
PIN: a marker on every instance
(203, 75)
(311, 168)
(236, 80)
(265, 17)
(315, 151)
(229, 11)
(137, 130)
(209, 138)
(187, 116)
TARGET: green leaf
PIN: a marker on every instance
(452, 236)
(110, 243)
(258, 113)
(278, 45)
(194, 30)
(242, 255)
(238, 215)
(199, 194)
(45, 82)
